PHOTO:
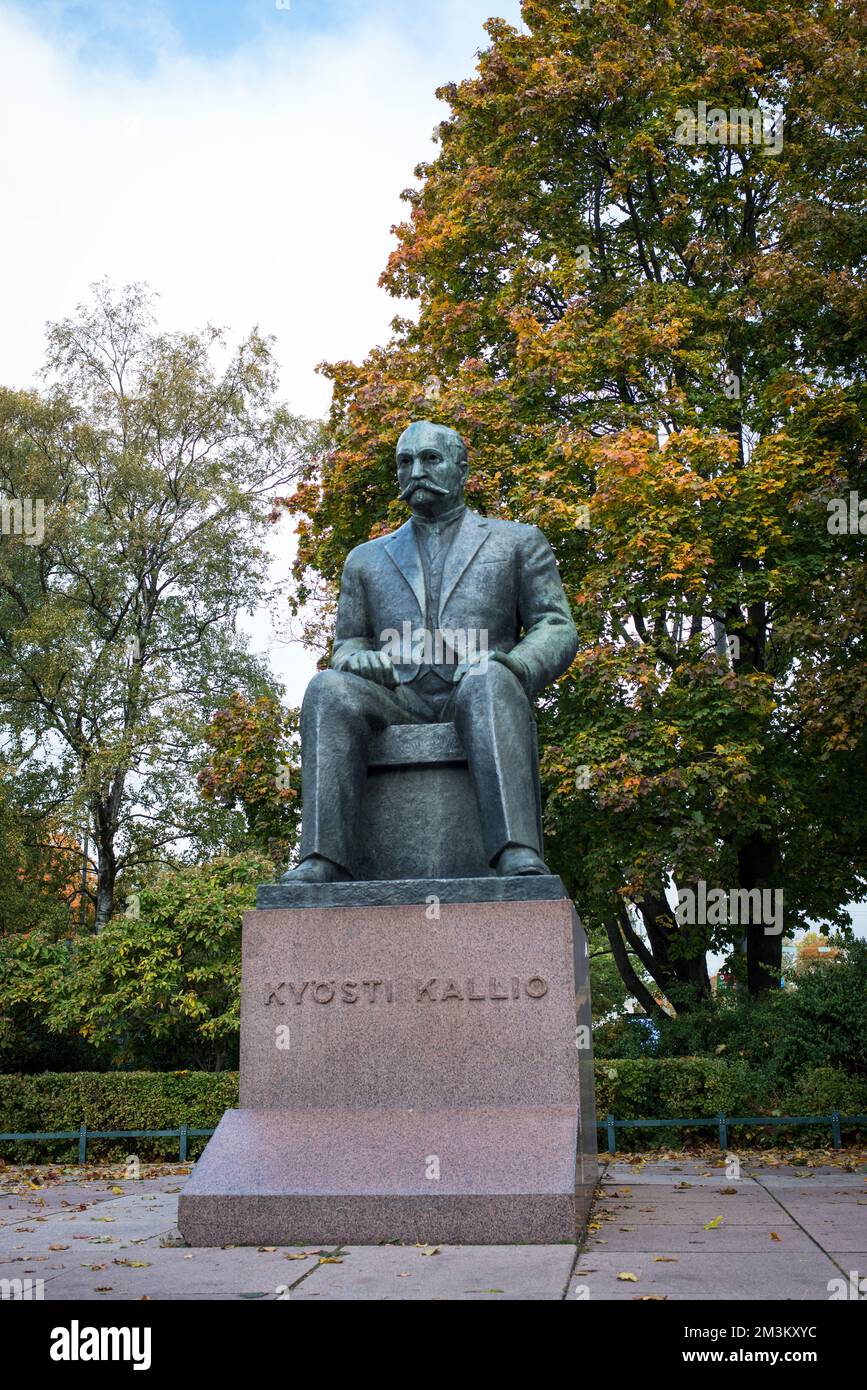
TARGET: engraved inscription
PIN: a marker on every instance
(496, 991)
(323, 993)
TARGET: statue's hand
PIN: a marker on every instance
(480, 664)
(373, 666)
(516, 666)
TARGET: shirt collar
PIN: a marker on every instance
(441, 522)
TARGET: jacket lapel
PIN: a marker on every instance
(473, 532)
(402, 549)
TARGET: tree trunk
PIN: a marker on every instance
(679, 966)
(628, 975)
(759, 864)
(106, 864)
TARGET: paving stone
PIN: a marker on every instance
(801, 1275)
(182, 1274)
(726, 1239)
(748, 1213)
(468, 1273)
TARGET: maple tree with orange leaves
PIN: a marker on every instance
(656, 352)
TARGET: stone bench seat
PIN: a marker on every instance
(414, 765)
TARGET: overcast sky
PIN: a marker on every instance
(243, 157)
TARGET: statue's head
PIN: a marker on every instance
(432, 468)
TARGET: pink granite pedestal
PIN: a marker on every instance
(411, 1072)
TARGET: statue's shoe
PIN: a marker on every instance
(516, 861)
(317, 870)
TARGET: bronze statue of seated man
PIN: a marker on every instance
(457, 618)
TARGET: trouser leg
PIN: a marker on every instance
(339, 714)
(493, 718)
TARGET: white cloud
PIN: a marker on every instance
(259, 188)
(256, 189)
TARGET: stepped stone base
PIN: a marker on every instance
(411, 1070)
(332, 1178)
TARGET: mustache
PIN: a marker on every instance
(423, 483)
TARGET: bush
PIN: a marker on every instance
(686, 1088)
(820, 1089)
(112, 1100)
(158, 991)
(821, 1022)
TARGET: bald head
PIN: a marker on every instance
(432, 468)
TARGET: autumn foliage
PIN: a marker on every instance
(656, 352)
(254, 766)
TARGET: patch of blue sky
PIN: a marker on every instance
(137, 34)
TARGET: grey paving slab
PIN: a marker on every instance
(43, 1267)
(652, 1209)
(668, 1181)
(699, 1190)
(181, 1274)
(820, 1199)
(833, 1213)
(125, 1219)
(467, 1273)
(800, 1276)
(836, 1235)
(726, 1239)
(18, 1202)
(839, 1205)
(16, 1208)
(746, 1214)
(829, 1208)
(796, 1178)
(618, 1169)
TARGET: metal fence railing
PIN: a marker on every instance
(723, 1123)
(84, 1136)
(610, 1125)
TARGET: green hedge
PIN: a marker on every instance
(645, 1088)
(111, 1100)
(687, 1087)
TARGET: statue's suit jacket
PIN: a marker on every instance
(499, 576)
